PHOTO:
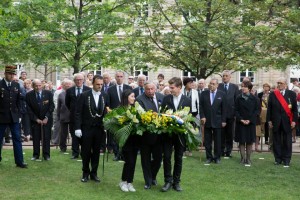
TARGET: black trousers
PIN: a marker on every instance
(212, 134)
(38, 136)
(266, 131)
(178, 142)
(26, 124)
(129, 165)
(282, 144)
(75, 141)
(64, 132)
(227, 137)
(90, 148)
(151, 156)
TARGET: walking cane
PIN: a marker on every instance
(42, 139)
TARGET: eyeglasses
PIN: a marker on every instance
(280, 83)
(161, 85)
(78, 79)
(119, 76)
(130, 78)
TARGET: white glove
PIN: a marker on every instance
(78, 133)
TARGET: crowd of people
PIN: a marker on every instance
(33, 110)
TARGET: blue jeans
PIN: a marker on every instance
(16, 138)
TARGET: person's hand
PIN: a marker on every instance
(20, 120)
(45, 121)
(270, 124)
(223, 124)
(293, 124)
(203, 120)
(39, 121)
(78, 133)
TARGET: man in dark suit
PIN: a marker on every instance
(151, 149)
(91, 108)
(231, 90)
(40, 107)
(213, 117)
(114, 98)
(10, 104)
(140, 89)
(63, 115)
(176, 100)
(282, 116)
(72, 96)
(106, 82)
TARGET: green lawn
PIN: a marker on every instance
(60, 179)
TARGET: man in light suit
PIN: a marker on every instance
(114, 99)
(231, 90)
(140, 89)
(40, 107)
(90, 110)
(63, 115)
(72, 96)
(176, 100)
(151, 149)
(282, 116)
(213, 117)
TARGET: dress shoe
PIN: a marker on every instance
(34, 158)
(147, 187)
(154, 182)
(286, 164)
(84, 179)
(74, 157)
(218, 161)
(166, 187)
(208, 161)
(95, 178)
(22, 165)
(177, 187)
(277, 163)
(47, 158)
(228, 155)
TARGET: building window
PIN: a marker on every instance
(247, 73)
(140, 71)
(186, 74)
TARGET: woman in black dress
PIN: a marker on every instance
(246, 111)
(129, 150)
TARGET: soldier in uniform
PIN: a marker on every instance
(10, 113)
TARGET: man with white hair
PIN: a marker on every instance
(140, 89)
(72, 96)
(282, 116)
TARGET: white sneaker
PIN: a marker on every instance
(130, 187)
(123, 186)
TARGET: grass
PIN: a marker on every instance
(60, 179)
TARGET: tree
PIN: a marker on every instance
(74, 31)
(13, 25)
(206, 37)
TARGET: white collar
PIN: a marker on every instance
(95, 93)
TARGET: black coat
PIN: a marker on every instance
(71, 100)
(40, 112)
(231, 94)
(276, 113)
(86, 110)
(10, 102)
(113, 98)
(246, 110)
(215, 114)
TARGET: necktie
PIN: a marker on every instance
(142, 90)
(226, 87)
(39, 99)
(152, 100)
(78, 91)
(120, 91)
(9, 85)
(105, 88)
(212, 97)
